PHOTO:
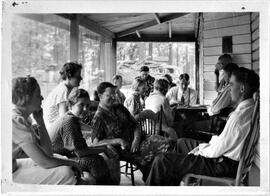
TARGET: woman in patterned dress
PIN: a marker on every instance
(66, 136)
(113, 124)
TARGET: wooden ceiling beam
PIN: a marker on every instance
(170, 30)
(149, 24)
(157, 18)
(158, 38)
(138, 34)
(196, 25)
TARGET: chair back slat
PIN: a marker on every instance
(160, 119)
(249, 147)
(148, 123)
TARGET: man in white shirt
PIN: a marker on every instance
(221, 155)
(182, 94)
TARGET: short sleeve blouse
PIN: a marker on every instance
(50, 108)
(22, 133)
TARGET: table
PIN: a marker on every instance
(192, 109)
(186, 116)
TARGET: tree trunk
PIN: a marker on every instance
(170, 54)
(177, 56)
(150, 51)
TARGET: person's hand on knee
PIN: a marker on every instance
(86, 179)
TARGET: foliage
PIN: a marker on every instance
(36, 46)
(161, 57)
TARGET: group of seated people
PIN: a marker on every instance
(46, 141)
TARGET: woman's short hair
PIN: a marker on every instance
(23, 89)
(248, 78)
(75, 94)
(117, 77)
(96, 97)
(161, 85)
(69, 69)
(137, 83)
(229, 68)
(184, 76)
(144, 68)
(168, 77)
(225, 59)
(101, 88)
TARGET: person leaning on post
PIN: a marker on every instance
(222, 61)
(223, 100)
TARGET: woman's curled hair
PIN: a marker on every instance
(69, 69)
(23, 89)
(75, 94)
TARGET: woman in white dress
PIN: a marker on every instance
(42, 166)
(55, 105)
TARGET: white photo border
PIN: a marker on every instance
(121, 6)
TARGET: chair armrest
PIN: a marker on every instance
(90, 151)
(224, 180)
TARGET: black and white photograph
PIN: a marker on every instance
(135, 97)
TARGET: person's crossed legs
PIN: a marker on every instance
(169, 168)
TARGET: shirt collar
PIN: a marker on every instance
(244, 104)
(106, 112)
(182, 90)
(100, 108)
(156, 93)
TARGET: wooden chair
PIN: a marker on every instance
(246, 158)
(150, 124)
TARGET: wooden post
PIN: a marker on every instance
(201, 60)
(113, 55)
(110, 59)
(74, 38)
(197, 68)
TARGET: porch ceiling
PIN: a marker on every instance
(130, 26)
(148, 26)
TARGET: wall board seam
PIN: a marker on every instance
(212, 20)
(228, 26)
(228, 35)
